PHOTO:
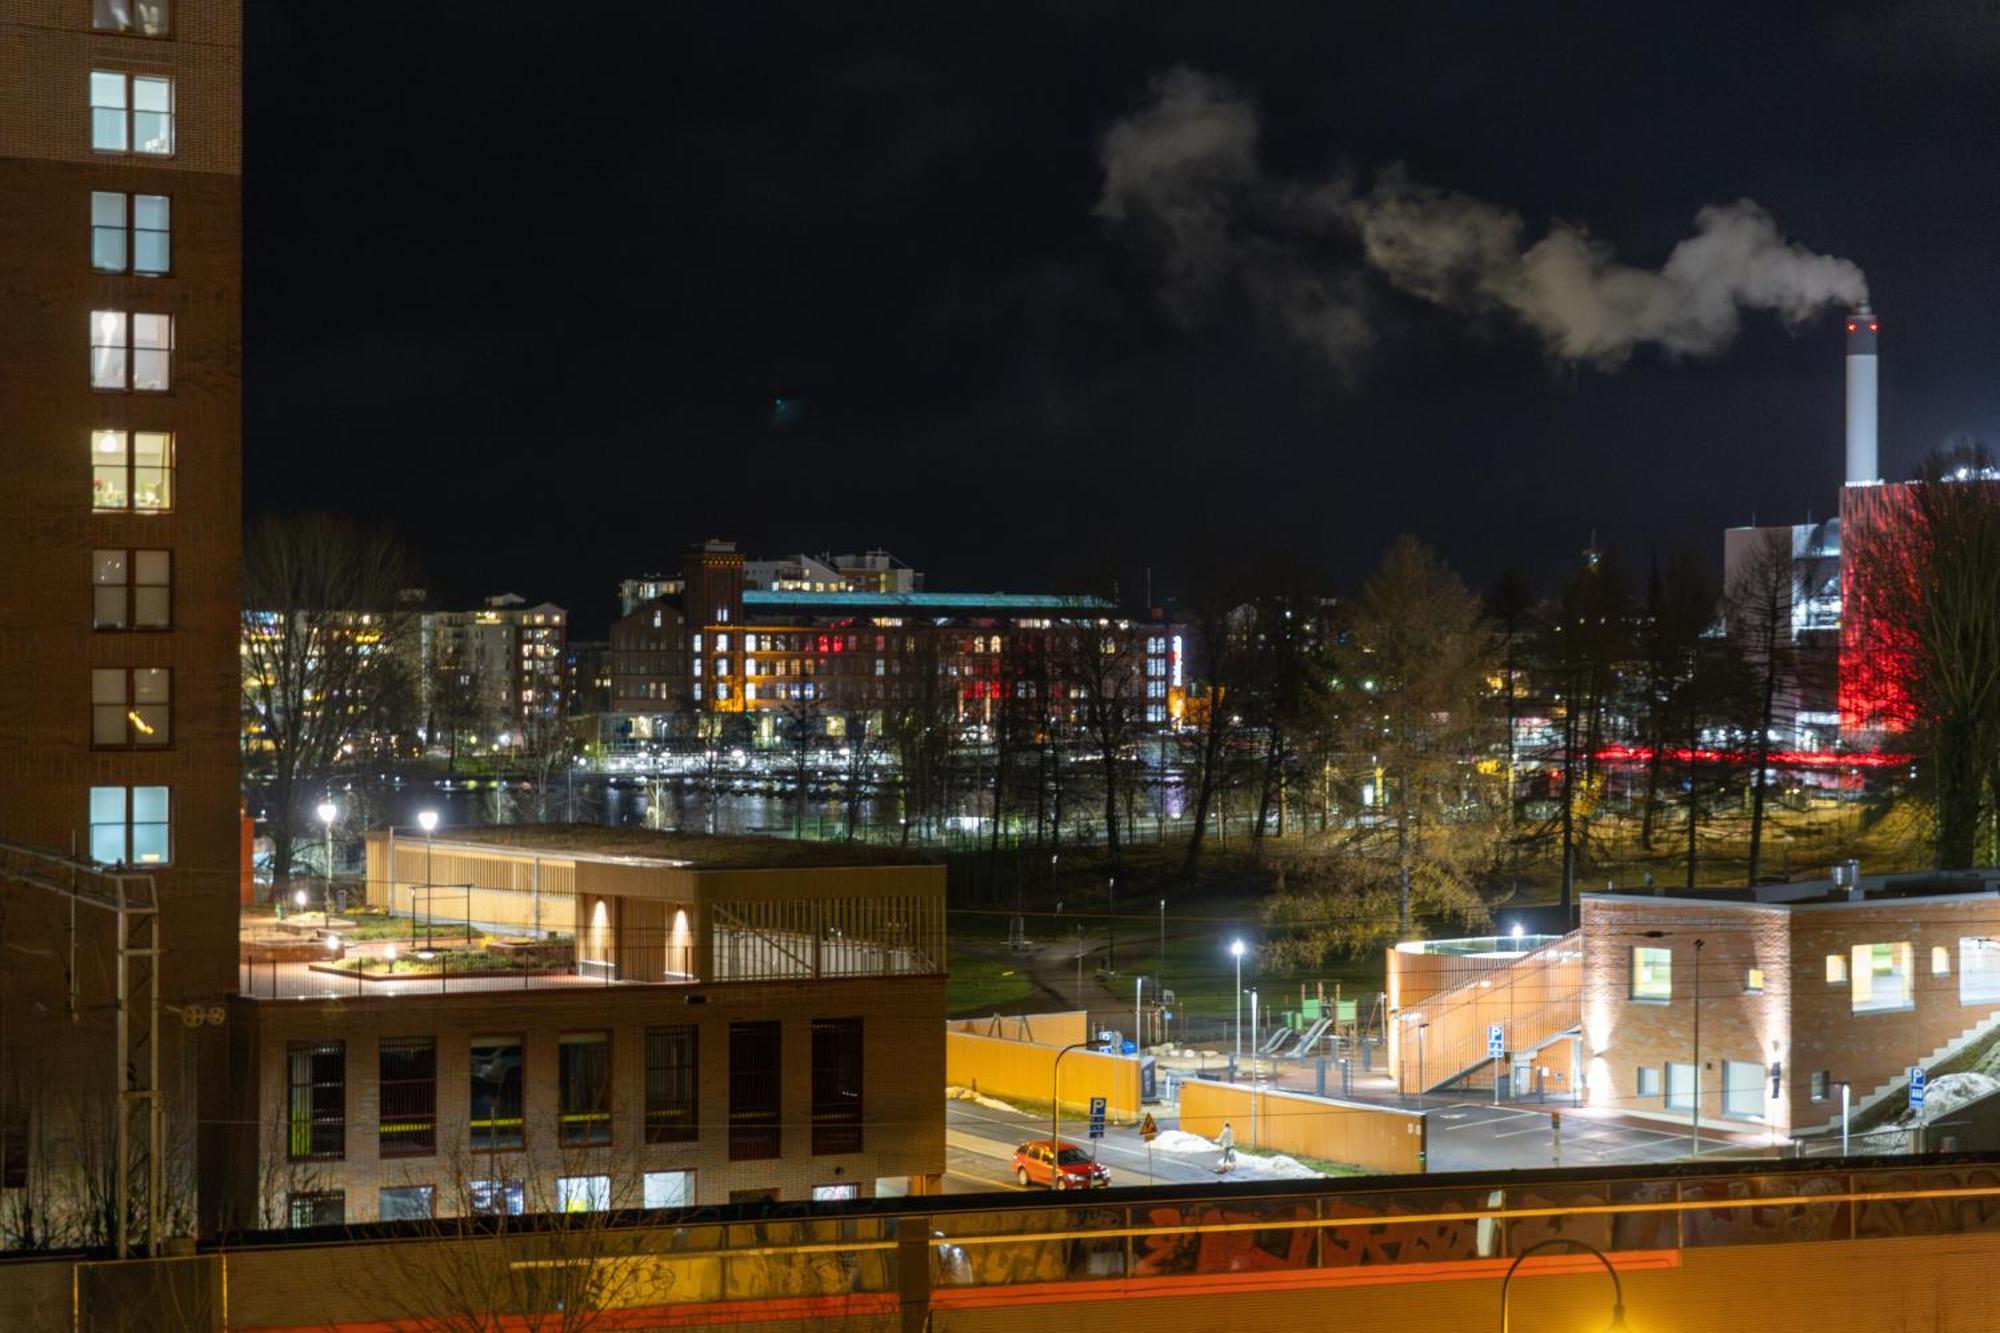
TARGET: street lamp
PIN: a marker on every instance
(1055, 1111)
(427, 820)
(1617, 1324)
(328, 812)
(1236, 951)
(1111, 925)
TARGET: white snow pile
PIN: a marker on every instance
(1249, 1166)
(1946, 1093)
(958, 1094)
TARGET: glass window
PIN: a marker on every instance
(829, 1193)
(110, 249)
(756, 1090)
(1836, 969)
(1743, 1089)
(672, 1056)
(316, 1110)
(110, 589)
(152, 589)
(496, 1093)
(584, 1086)
(1649, 1081)
(317, 1208)
(131, 113)
(836, 1085)
(407, 1071)
(1680, 1086)
(1881, 977)
(583, 1194)
(152, 234)
(130, 706)
(1978, 970)
(497, 1196)
(128, 826)
(131, 351)
(139, 240)
(407, 1203)
(669, 1189)
(1753, 980)
(1652, 973)
(1820, 1085)
(1940, 961)
(143, 18)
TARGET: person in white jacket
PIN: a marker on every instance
(1227, 1141)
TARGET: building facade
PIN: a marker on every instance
(506, 660)
(120, 561)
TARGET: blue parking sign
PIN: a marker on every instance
(1097, 1117)
(1919, 1084)
(1496, 1039)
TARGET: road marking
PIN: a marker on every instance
(982, 1180)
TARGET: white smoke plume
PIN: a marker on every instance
(1182, 173)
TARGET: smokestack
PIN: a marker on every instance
(1862, 467)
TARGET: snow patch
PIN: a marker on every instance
(957, 1094)
(1249, 1166)
(1180, 1141)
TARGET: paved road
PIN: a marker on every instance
(980, 1140)
(1469, 1136)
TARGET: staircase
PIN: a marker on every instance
(1536, 999)
(1882, 1091)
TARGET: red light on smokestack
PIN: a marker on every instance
(1873, 328)
(1850, 328)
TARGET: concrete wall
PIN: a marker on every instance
(1023, 1070)
(1376, 1138)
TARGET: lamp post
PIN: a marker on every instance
(1055, 1111)
(328, 812)
(1111, 925)
(1617, 1324)
(427, 820)
(1236, 951)
(1695, 1122)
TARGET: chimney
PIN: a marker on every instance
(1863, 468)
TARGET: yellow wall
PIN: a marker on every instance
(1061, 1029)
(1019, 1069)
(1377, 1138)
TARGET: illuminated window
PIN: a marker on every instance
(1880, 977)
(141, 18)
(583, 1194)
(1753, 980)
(131, 113)
(129, 233)
(128, 825)
(131, 351)
(1652, 973)
(316, 1208)
(131, 470)
(829, 1193)
(669, 1189)
(1742, 1090)
(407, 1203)
(494, 1197)
(1940, 961)
(131, 589)
(1836, 969)
(130, 707)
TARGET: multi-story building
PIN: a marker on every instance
(586, 677)
(726, 647)
(120, 568)
(507, 656)
(685, 1021)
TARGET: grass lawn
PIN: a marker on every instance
(984, 985)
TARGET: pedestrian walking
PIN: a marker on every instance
(1227, 1141)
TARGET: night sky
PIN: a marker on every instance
(525, 290)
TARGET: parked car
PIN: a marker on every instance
(1063, 1166)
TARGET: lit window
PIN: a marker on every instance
(131, 351)
(494, 1197)
(1881, 977)
(316, 1208)
(131, 113)
(141, 18)
(583, 1194)
(128, 825)
(669, 1189)
(722, 643)
(130, 232)
(132, 470)
(1753, 980)
(749, 643)
(130, 707)
(1652, 973)
(131, 589)
(1940, 961)
(831, 1193)
(1836, 969)
(316, 1108)
(407, 1203)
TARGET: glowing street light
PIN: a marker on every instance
(427, 820)
(328, 812)
(1617, 1324)
(1236, 951)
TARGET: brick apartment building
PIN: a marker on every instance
(120, 570)
(1802, 988)
(719, 1021)
(721, 646)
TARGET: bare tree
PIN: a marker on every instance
(1102, 670)
(1219, 627)
(321, 607)
(1757, 612)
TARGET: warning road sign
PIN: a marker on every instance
(1147, 1129)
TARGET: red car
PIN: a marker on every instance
(1067, 1168)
